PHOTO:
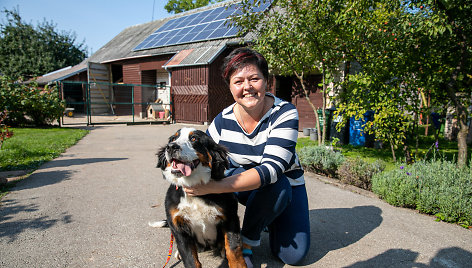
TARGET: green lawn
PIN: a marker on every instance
(30, 147)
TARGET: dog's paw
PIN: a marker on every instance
(159, 224)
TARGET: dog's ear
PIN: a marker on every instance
(219, 162)
(161, 158)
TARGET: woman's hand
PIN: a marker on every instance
(199, 189)
(245, 181)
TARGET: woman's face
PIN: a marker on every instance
(248, 86)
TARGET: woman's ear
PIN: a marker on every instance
(161, 158)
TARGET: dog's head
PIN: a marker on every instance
(191, 157)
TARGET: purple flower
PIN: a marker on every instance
(408, 173)
(402, 167)
(436, 144)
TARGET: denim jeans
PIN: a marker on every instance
(284, 210)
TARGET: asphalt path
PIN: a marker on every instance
(91, 206)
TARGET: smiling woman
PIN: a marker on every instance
(260, 132)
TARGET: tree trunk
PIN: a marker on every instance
(323, 109)
(462, 135)
(307, 97)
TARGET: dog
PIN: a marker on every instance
(199, 222)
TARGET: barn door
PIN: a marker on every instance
(101, 96)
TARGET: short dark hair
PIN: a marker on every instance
(242, 57)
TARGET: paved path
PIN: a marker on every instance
(91, 207)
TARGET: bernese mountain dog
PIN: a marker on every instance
(199, 222)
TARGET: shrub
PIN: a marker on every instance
(436, 187)
(321, 159)
(398, 187)
(359, 172)
(29, 104)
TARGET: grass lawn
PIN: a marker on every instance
(28, 148)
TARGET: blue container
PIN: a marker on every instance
(357, 137)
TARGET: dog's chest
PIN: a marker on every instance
(201, 217)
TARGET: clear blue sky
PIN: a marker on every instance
(95, 21)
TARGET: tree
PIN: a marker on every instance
(419, 48)
(445, 29)
(27, 51)
(178, 6)
(374, 38)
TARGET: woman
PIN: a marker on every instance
(260, 132)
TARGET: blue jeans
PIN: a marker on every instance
(284, 210)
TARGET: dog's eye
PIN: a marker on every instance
(193, 139)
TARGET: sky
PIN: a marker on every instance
(94, 21)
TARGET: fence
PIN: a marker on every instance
(111, 103)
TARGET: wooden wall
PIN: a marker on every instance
(219, 94)
(133, 71)
(190, 94)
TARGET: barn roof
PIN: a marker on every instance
(62, 74)
(121, 46)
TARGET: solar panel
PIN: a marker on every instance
(205, 25)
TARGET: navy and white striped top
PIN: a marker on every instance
(270, 148)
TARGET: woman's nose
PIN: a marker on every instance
(246, 84)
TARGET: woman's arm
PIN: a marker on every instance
(245, 181)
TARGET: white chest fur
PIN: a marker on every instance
(201, 217)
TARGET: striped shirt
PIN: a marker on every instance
(270, 148)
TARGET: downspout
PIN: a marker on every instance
(172, 111)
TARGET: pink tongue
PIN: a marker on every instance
(185, 169)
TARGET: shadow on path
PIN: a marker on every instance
(331, 229)
(448, 257)
(79, 161)
(337, 228)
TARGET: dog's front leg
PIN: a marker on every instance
(188, 250)
(234, 252)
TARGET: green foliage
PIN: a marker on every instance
(321, 159)
(436, 187)
(31, 147)
(27, 51)
(178, 6)
(359, 172)
(29, 104)
(409, 52)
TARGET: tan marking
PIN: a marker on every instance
(206, 161)
(176, 220)
(235, 257)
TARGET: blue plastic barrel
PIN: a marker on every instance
(357, 137)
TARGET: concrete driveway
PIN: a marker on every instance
(91, 206)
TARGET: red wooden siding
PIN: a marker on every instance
(190, 94)
(219, 95)
(305, 112)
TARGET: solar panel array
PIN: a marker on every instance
(205, 25)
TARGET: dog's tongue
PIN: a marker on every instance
(184, 168)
